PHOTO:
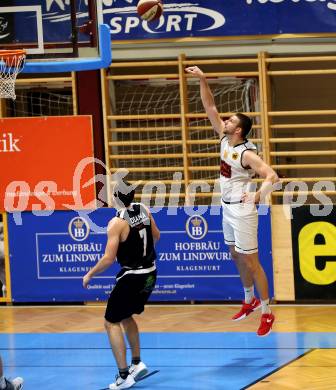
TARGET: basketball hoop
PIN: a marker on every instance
(11, 64)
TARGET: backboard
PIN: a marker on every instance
(52, 30)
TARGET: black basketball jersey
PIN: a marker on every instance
(137, 251)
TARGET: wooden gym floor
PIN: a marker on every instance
(300, 353)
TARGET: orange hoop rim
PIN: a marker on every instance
(12, 53)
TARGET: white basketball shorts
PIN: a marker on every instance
(240, 227)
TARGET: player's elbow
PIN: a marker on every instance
(210, 109)
(157, 235)
(109, 259)
(274, 178)
(270, 175)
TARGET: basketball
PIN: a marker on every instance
(149, 9)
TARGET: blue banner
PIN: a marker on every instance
(194, 18)
(49, 255)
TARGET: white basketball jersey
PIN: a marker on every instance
(234, 178)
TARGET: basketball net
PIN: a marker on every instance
(11, 64)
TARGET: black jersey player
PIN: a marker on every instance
(132, 234)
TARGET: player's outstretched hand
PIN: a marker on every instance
(195, 71)
(86, 280)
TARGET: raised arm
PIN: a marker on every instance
(208, 100)
(113, 238)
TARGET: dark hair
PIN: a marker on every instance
(245, 124)
(124, 193)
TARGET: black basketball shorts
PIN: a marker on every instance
(129, 296)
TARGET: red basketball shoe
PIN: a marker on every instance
(265, 324)
(247, 309)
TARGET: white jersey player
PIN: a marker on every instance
(239, 162)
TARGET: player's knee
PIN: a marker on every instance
(251, 267)
(110, 325)
(107, 325)
(251, 263)
(234, 254)
(127, 321)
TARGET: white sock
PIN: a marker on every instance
(249, 294)
(2, 382)
(265, 309)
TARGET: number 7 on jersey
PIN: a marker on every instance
(143, 235)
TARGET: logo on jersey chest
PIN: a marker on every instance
(137, 219)
(234, 155)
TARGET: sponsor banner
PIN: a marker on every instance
(193, 18)
(314, 252)
(51, 253)
(45, 163)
